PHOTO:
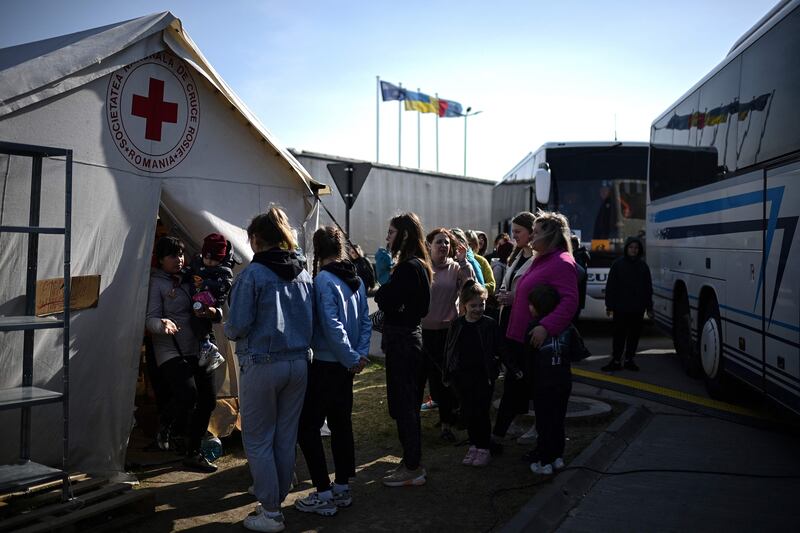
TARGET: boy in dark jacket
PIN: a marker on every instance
(629, 293)
(552, 383)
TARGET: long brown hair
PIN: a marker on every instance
(328, 243)
(526, 219)
(272, 229)
(409, 241)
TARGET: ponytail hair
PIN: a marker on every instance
(328, 243)
(272, 229)
(471, 290)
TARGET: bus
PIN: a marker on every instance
(722, 212)
(599, 186)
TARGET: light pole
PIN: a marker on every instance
(467, 114)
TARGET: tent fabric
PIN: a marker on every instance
(229, 176)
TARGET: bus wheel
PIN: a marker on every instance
(710, 345)
(682, 337)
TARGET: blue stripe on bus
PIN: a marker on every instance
(710, 206)
(760, 317)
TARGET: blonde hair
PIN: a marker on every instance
(556, 230)
(273, 228)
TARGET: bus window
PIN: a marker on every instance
(770, 95)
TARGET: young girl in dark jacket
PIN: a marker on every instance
(471, 366)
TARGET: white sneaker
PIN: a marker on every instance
(542, 470)
(558, 464)
(343, 498)
(262, 522)
(215, 359)
(529, 437)
(314, 504)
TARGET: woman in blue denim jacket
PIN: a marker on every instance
(271, 312)
(342, 329)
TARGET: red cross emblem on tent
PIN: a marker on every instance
(154, 109)
(153, 112)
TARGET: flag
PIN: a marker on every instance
(421, 102)
(449, 108)
(392, 92)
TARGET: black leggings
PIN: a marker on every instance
(193, 396)
(433, 341)
(405, 380)
(329, 394)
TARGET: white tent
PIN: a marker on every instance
(154, 130)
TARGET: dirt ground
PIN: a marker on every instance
(455, 497)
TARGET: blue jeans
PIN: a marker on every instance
(270, 400)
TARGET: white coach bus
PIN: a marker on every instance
(722, 214)
(598, 186)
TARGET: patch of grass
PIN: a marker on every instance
(455, 497)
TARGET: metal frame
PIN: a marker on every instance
(28, 396)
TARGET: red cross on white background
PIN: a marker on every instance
(154, 109)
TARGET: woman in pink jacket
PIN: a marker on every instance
(552, 265)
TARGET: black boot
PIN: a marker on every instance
(612, 366)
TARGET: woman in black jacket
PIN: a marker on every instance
(404, 301)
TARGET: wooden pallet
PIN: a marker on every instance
(97, 505)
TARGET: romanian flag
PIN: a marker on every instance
(392, 92)
(449, 108)
(421, 102)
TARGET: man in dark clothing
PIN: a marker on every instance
(629, 293)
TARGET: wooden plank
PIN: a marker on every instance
(84, 293)
(30, 491)
(76, 503)
(43, 499)
(131, 497)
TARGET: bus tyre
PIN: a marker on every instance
(710, 347)
(682, 338)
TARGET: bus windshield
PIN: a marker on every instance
(603, 212)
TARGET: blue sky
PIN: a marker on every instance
(538, 71)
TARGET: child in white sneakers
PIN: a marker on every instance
(212, 275)
(471, 366)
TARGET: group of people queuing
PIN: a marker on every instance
(452, 316)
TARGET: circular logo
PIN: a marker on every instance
(153, 112)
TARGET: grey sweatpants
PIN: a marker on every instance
(270, 400)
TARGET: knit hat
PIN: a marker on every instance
(215, 247)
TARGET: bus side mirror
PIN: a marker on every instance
(542, 182)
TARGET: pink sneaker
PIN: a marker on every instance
(470, 457)
(482, 457)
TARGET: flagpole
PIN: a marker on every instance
(378, 120)
(437, 136)
(399, 128)
(418, 141)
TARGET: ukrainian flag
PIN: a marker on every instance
(421, 102)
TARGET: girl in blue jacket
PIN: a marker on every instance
(342, 330)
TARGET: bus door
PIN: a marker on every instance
(741, 245)
(782, 284)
